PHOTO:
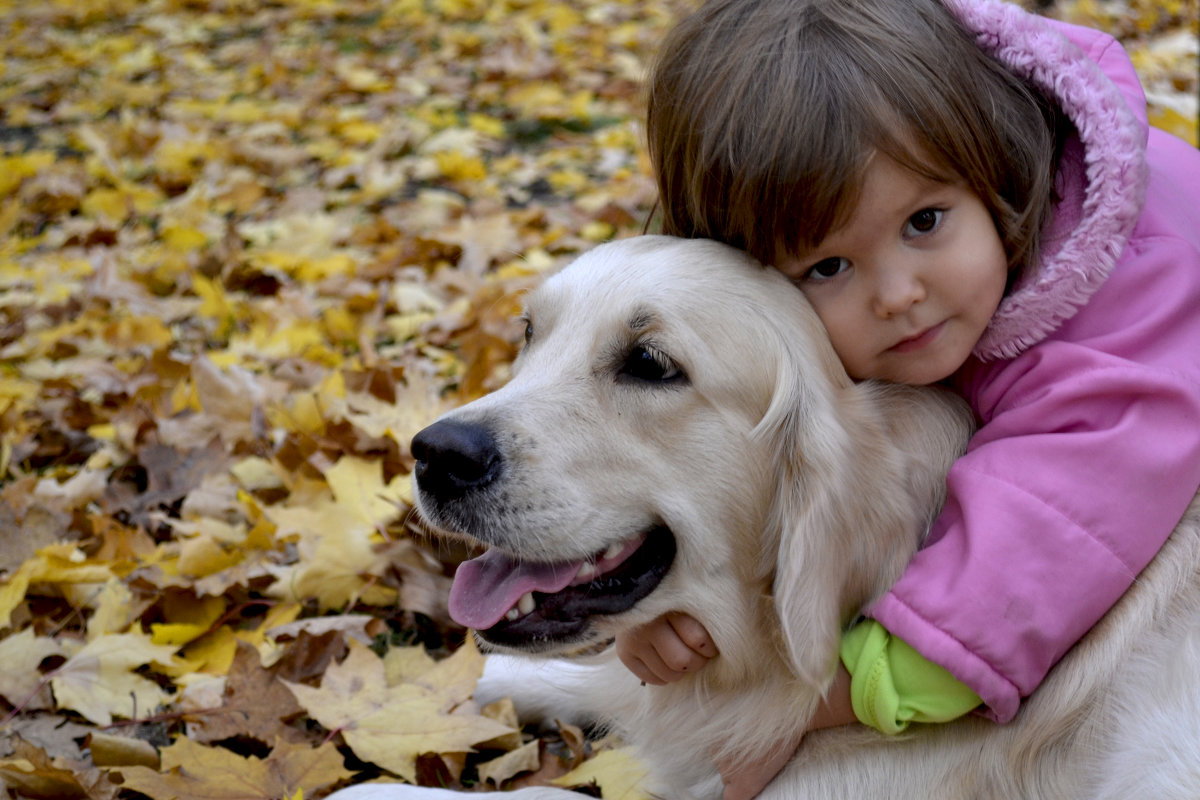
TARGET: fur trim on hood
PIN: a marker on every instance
(1101, 181)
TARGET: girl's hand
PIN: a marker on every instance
(745, 779)
(664, 650)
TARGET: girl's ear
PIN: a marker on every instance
(852, 501)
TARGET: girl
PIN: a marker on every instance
(970, 194)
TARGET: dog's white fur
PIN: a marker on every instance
(795, 497)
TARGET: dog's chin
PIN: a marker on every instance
(568, 618)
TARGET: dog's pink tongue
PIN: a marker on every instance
(485, 588)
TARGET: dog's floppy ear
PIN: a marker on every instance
(844, 510)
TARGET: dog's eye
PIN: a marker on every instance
(644, 364)
(528, 331)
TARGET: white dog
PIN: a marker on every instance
(679, 435)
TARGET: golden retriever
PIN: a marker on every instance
(679, 435)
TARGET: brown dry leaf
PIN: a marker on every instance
(306, 659)
(25, 525)
(121, 751)
(58, 735)
(34, 774)
(254, 704)
(558, 758)
(514, 762)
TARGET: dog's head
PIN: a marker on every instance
(676, 419)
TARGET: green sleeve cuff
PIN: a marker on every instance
(892, 685)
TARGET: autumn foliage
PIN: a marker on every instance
(247, 249)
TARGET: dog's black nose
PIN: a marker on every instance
(453, 457)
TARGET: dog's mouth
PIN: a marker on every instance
(529, 604)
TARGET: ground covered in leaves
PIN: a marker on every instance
(247, 249)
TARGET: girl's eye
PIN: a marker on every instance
(827, 268)
(924, 221)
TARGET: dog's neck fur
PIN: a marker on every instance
(916, 434)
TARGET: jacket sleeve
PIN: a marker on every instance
(1085, 464)
(893, 686)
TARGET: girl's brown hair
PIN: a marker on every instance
(763, 114)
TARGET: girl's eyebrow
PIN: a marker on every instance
(929, 193)
(898, 205)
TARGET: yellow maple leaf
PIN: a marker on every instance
(418, 403)
(129, 333)
(358, 486)
(523, 759)
(14, 169)
(459, 166)
(454, 678)
(187, 621)
(54, 564)
(197, 772)
(205, 555)
(113, 610)
(21, 654)
(183, 238)
(403, 664)
(336, 556)
(98, 679)
(336, 538)
(618, 773)
(256, 473)
(215, 304)
(390, 725)
(212, 653)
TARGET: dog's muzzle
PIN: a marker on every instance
(512, 599)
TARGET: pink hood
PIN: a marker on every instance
(1102, 183)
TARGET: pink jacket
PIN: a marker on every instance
(1086, 385)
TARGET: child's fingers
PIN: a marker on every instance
(674, 654)
(640, 658)
(656, 653)
(636, 650)
(692, 633)
(660, 674)
(643, 672)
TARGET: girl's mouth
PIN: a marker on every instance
(922, 339)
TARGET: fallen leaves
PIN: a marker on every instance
(98, 681)
(198, 772)
(247, 250)
(392, 725)
(253, 703)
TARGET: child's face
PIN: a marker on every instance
(907, 286)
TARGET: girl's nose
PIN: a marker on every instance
(899, 288)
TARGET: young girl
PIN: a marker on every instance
(967, 193)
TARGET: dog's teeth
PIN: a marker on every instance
(586, 572)
(512, 614)
(613, 551)
(525, 605)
